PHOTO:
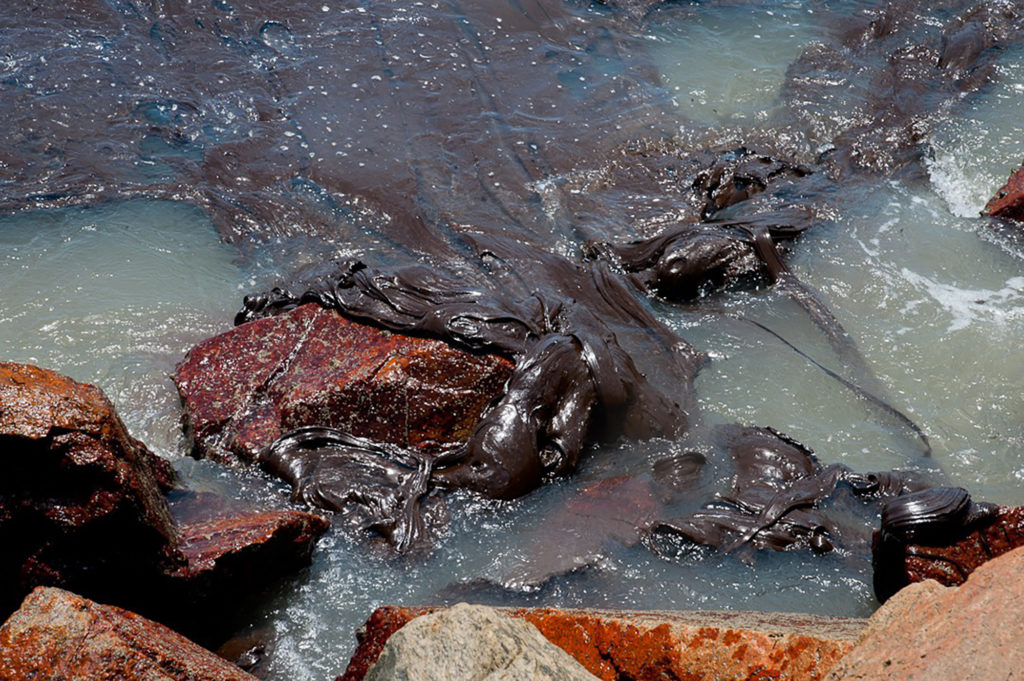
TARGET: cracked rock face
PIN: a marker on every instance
(312, 367)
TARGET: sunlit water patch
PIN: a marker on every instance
(115, 295)
(726, 65)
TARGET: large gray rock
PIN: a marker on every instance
(473, 642)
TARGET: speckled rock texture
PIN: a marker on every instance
(81, 501)
(951, 562)
(311, 366)
(622, 646)
(928, 631)
(57, 635)
(473, 643)
(1008, 202)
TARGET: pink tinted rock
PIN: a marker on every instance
(248, 550)
(311, 366)
(59, 635)
(1008, 202)
(928, 631)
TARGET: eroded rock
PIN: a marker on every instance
(311, 366)
(680, 645)
(928, 631)
(81, 501)
(59, 635)
(473, 642)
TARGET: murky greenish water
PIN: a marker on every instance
(116, 294)
(711, 80)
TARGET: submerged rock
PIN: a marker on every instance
(654, 645)
(1008, 202)
(473, 642)
(948, 556)
(928, 631)
(246, 387)
(59, 635)
(81, 501)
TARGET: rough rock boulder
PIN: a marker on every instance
(928, 631)
(311, 366)
(1008, 202)
(473, 642)
(59, 635)
(81, 501)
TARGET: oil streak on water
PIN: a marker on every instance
(115, 294)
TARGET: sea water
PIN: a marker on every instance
(116, 294)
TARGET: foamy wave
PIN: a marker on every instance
(967, 306)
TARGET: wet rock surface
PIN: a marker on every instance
(472, 642)
(81, 501)
(928, 631)
(948, 557)
(82, 506)
(59, 635)
(615, 645)
(246, 387)
(1008, 202)
(232, 559)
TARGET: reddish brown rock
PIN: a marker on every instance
(1009, 201)
(950, 563)
(81, 501)
(661, 645)
(242, 553)
(312, 366)
(928, 631)
(58, 635)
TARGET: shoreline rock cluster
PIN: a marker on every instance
(89, 515)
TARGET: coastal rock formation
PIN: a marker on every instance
(1008, 202)
(473, 642)
(928, 631)
(680, 645)
(233, 558)
(81, 501)
(949, 558)
(82, 506)
(311, 366)
(59, 635)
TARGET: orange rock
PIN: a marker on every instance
(694, 646)
(311, 366)
(1009, 200)
(59, 635)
